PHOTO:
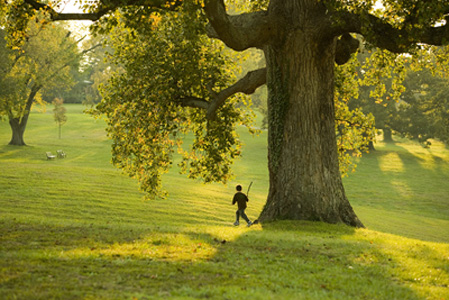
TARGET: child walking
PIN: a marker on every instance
(241, 200)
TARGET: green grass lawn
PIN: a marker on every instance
(76, 228)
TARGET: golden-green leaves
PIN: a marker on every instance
(161, 65)
(355, 129)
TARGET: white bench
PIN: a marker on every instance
(50, 156)
(61, 154)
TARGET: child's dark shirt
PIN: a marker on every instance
(241, 200)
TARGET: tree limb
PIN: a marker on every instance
(246, 85)
(346, 46)
(103, 8)
(56, 16)
(193, 102)
(382, 34)
(238, 32)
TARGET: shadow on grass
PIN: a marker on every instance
(28, 153)
(281, 260)
(402, 192)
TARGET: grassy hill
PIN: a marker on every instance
(76, 228)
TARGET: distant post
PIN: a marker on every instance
(59, 113)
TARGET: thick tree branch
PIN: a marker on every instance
(346, 46)
(193, 102)
(382, 34)
(103, 8)
(56, 16)
(246, 85)
(237, 32)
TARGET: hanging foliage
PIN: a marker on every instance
(147, 103)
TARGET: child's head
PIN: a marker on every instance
(238, 187)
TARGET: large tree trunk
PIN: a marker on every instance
(388, 136)
(19, 124)
(18, 129)
(305, 181)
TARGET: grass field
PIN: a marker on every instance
(76, 228)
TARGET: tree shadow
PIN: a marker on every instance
(280, 260)
(407, 194)
(28, 153)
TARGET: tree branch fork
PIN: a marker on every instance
(247, 85)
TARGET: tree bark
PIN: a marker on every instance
(18, 129)
(388, 136)
(18, 124)
(305, 181)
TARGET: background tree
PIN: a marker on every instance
(40, 58)
(59, 113)
(301, 40)
(424, 110)
(98, 70)
(380, 87)
(416, 112)
(73, 93)
(41, 62)
(88, 74)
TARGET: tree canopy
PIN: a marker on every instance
(155, 97)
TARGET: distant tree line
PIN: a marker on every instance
(416, 106)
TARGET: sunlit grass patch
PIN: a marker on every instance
(391, 162)
(402, 188)
(167, 247)
(421, 266)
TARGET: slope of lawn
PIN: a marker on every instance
(76, 228)
(403, 188)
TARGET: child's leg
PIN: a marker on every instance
(242, 213)
(237, 214)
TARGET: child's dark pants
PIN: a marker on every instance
(241, 213)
